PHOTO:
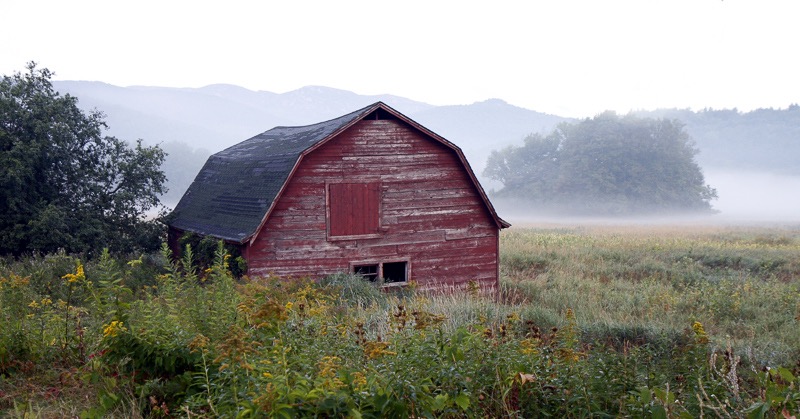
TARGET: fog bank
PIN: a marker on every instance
(745, 198)
(756, 196)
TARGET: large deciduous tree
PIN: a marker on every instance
(606, 165)
(63, 183)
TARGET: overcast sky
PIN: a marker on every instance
(566, 57)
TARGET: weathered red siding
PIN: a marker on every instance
(431, 214)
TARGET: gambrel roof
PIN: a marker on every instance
(235, 190)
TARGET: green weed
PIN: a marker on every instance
(586, 323)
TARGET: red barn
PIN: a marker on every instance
(371, 192)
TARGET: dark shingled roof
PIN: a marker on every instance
(233, 191)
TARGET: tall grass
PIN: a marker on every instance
(641, 283)
(587, 322)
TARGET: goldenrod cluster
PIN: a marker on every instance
(77, 276)
(113, 329)
(14, 281)
(375, 349)
(359, 380)
(327, 371)
(46, 301)
(700, 335)
(529, 346)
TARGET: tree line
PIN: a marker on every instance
(761, 140)
(606, 165)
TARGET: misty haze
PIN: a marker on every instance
(749, 158)
(756, 196)
(749, 198)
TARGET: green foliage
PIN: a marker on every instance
(200, 344)
(607, 165)
(63, 184)
(781, 394)
(202, 251)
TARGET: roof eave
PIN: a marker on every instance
(232, 240)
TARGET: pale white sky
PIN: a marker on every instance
(565, 57)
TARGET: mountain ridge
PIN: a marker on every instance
(191, 123)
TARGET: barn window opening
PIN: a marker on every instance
(380, 114)
(395, 272)
(391, 272)
(369, 272)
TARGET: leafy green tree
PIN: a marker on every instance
(606, 165)
(63, 183)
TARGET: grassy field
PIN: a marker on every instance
(589, 321)
(640, 283)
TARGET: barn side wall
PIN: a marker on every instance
(173, 240)
(431, 214)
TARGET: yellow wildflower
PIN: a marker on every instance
(327, 371)
(699, 333)
(34, 304)
(529, 346)
(77, 276)
(328, 365)
(14, 281)
(570, 355)
(375, 349)
(359, 380)
(342, 329)
(113, 329)
(423, 319)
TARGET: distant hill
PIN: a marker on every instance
(212, 117)
(218, 116)
(191, 123)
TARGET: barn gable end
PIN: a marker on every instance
(374, 193)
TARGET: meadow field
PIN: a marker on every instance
(641, 283)
(589, 321)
